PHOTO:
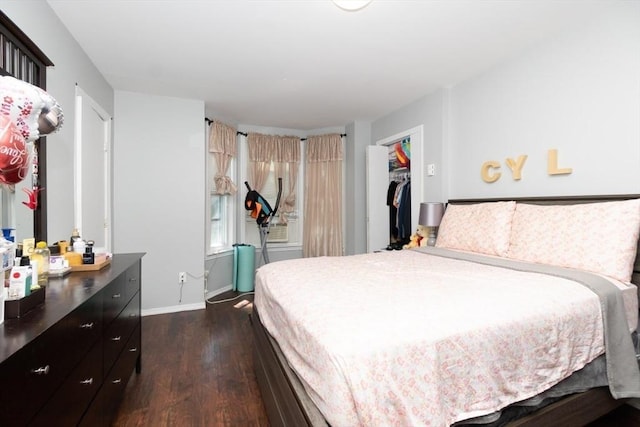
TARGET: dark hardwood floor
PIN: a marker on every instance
(197, 370)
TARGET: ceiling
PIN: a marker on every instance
(307, 64)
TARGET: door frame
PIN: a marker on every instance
(81, 97)
(417, 167)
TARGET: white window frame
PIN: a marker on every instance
(229, 213)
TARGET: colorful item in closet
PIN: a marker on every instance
(403, 153)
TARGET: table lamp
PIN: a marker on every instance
(430, 216)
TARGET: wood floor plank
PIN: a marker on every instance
(197, 370)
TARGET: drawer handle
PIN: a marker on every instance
(133, 349)
(118, 381)
(86, 326)
(41, 371)
(133, 279)
(87, 382)
(116, 296)
(118, 338)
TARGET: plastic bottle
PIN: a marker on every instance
(75, 236)
(41, 255)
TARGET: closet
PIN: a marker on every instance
(399, 198)
(394, 189)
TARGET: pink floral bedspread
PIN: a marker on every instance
(410, 339)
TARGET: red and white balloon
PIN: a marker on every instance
(14, 158)
(32, 110)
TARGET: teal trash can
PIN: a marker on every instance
(243, 267)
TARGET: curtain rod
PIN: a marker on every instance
(209, 121)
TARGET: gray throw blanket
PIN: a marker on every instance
(622, 368)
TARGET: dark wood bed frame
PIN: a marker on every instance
(286, 408)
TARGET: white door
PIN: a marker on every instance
(92, 171)
(377, 215)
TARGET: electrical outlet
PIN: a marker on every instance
(182, 277)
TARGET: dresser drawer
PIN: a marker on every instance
(18, 382)
(120, 330)
(114, 299)
(104, 406)
(132, 281)
(82, 328)
(74, 396)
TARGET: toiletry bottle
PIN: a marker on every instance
(41, 256)
(79, 246)
(20, 282)
(75, 236)
(88, 256)
(18, 257)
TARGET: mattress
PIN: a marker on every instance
(435, 340)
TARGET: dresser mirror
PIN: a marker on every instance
(22, 59)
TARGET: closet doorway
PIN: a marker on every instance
(92, 171)
(380, 173)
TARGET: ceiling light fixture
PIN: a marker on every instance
(351, 5)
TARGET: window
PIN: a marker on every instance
(221, 212)
(283, 235)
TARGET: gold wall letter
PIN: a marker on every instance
(486, 173)
(552, 164)
(516, 166)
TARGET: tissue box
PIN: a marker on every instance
(20, 307)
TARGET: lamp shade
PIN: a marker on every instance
(351, 5)
(431, 214)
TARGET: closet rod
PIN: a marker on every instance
(209, 121)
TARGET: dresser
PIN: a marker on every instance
(67, 361)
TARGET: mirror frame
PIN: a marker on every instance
(22, 59)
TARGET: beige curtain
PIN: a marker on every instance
(287, 153)
(222, 144)
(261, 149)
(323, 197)
(282, 151)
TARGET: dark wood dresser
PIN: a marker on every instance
(67, 361)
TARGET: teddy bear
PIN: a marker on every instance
(419, 238)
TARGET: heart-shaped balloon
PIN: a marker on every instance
(32, 110)
(14, 159)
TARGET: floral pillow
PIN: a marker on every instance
(598, 237)
(481, 227)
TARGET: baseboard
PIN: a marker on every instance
(173, 309)
(211, 294)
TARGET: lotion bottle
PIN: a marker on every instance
(75, 237)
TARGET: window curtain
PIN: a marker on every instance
(222, 144)
(261, 149)
(323, 197)
(287, 154)
(282, 151)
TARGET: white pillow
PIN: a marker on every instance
(598, 237)
(481, 227)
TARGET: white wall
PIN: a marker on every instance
(579, 93)
(71, 66)
(159, 195)
(428, 111)
(357, 139)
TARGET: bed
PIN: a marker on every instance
(505, 322)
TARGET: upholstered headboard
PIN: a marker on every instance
(567, 200)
